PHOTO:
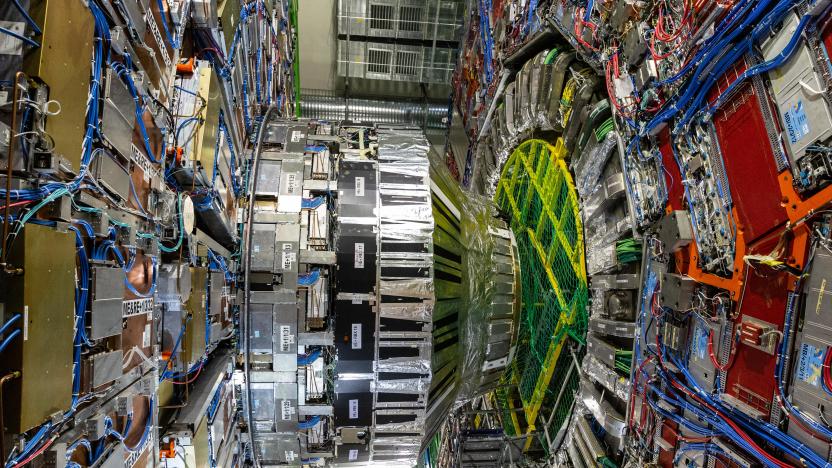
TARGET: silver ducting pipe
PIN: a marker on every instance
(326, 106)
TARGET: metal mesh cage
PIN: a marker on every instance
(537, 191)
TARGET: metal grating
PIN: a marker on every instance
(378, 61)
(381, 16)
(407, 63)
(410, 18)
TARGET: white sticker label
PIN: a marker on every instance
(10, 45)
(4, 96)
(286, 409)
(288, 257)
(356, 298)
(359, 255)
(25, 323)
(141, 160)
(292, 187)
(353, 408)
(359, 186)
(154, 28)
(353, 454)
(137, 307)
(290, 455)
(356, 336)
(286, 338)
(296, 136)
(146, 336)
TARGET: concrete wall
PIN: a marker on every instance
(318, 37)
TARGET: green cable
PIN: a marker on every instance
(550, 57)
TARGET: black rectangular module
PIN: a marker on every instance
(356, 248)
(354, 409)
(354, 336)
(357, 183)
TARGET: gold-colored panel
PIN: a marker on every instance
(45, 294)
(194, 341)
(201, 445)
(206, 135)
(63, 63)
(229, 13)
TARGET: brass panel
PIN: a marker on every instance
(62, 62)
(45, 293)
(201, 445)
(194, 342)
(206, 135)
(229, 13)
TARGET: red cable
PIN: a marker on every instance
(192, 380)
(727, 365)
(20, 203)
(38, 452)
(805, 429)
(731, 423)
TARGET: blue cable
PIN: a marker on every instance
(165, 373)
(15, 35)
(9, 323)
(26, 16)
(309, 279)
(310, 423)
(9, 339)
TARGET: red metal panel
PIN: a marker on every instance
(748, 160)
(766, 293)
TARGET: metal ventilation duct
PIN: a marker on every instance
(324, 106)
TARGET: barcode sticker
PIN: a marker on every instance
(296, 136)
(353, 454)
(359, 186)
(292, 187)
(286, 410)
(353, 409)
(356, 298)
(288, 257)
(137, 307)
(286, 338)
(359, 255)
(356, 336)
(290, 455)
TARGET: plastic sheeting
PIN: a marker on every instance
(480, 233)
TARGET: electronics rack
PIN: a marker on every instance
(703, 213)
(125, 132)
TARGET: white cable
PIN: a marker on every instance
(811, 90)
